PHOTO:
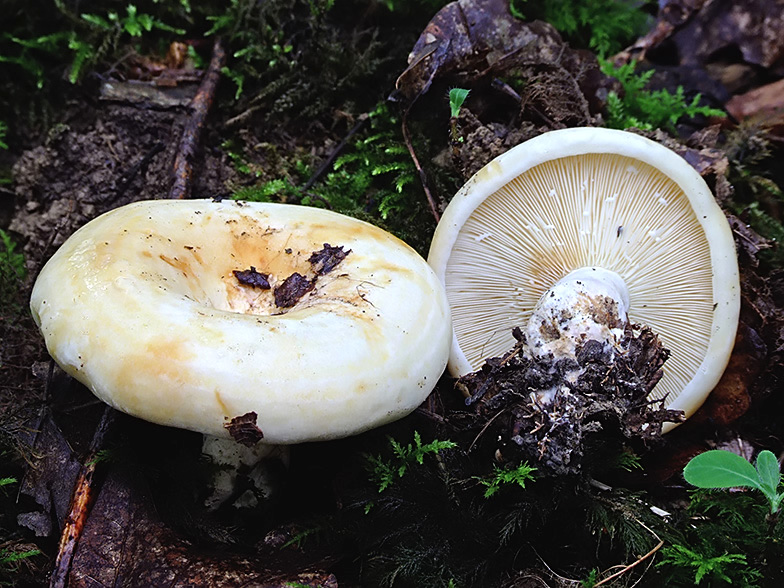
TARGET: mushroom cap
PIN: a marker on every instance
(592, 197)
(142, 305)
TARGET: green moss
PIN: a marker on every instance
(648, 109)
(757, 197)
(605, 26)
(12, 273)
(384, 472)
(728, 540)
(503, 477)
(300, 60)
(372, 179)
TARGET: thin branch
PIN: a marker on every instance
(639, 560)
(422, 176)
(139, 166)
(487, 425)
(200, 105)
(327, 163)
(632, 565)
(81, 501)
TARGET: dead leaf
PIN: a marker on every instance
(125, 544)
(731, 397)
(763, 105)
(672, 15)
(719, 32)
(50, 476)
(292, 289)
(326, 259)
(469, 37)
(251, 277)
(244, 430)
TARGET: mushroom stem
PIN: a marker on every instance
(233, 460)
(589, 303)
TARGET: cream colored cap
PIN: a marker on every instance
(142, 305)
(591, 197)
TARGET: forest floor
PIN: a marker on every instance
(345, 106)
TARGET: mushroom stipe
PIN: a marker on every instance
(144, 307)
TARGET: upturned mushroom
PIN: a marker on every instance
(579, 232)
(266, 322)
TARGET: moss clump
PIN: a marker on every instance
(648, 109)
(372, 179)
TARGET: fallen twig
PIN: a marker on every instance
(200, 105)
(631, 565)
(361, 120)
(422, 176)
(139, 166)
(81, 501)
(638, 561)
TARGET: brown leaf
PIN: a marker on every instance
(254, 279)
(292, 289)
(672, 14)
(325, 260)
(731, 397)
(470, 36)
(703, 31)
(244, 430)
(763, 105)
(126, 544)
(50, 476)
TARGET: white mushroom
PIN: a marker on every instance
(579, 215)
(159, 308)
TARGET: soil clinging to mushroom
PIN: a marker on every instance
(546, 417)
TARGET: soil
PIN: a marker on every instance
(321, 519)
(104, 155)
(608, 397)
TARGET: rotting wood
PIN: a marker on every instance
(83, 496)
(200, 106)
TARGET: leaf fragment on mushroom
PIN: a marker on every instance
(326, 259)
(254, 279)
(292, 289)
(244, 429)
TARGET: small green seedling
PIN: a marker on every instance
(456, 98)
(724, 469)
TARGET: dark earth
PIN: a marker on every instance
(114, 137)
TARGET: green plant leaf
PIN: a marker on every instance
(721, 469)
(768, 471)
(456, 98)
